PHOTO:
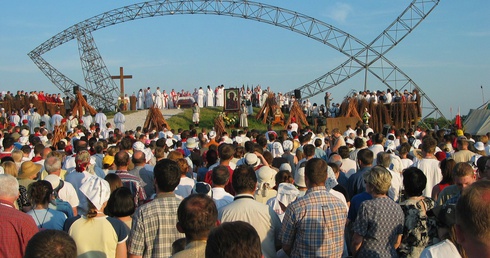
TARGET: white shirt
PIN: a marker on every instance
(431, 169)
(341, 197)
(406, 163)
(184, 188)
(68, 194)
(221, 197)
(349, 167)
(443, 249)
(376, 148)
(396, 186)
(259, 215)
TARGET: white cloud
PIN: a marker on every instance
(339, 12)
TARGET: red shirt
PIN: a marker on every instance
(5, 154)
(228, 187)
(17, 229)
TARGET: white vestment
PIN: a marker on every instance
(101, 119)
(210, 98)
(148, 100)
(139, 104)
(35, 121)
(200, 98)
(119, 120)
(87, 120)
(47, 120)
(158, 99)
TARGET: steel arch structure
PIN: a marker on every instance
(103, 91)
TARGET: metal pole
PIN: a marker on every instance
(366, 71)
(482, 95)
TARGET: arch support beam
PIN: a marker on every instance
(359, 54)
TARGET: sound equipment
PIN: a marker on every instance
(297, 94)
(386, 129)
(75, 89)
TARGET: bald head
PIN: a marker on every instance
(46, 151)
(121, 159)
(139, 158)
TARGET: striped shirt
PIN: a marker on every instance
(314, 225)
(134, 184)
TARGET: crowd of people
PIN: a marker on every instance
(288, 193)
(103, 191)
(41, 96)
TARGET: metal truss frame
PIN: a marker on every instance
(361, 56)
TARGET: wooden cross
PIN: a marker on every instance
(121, 78)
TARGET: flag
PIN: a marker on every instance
(457, 121)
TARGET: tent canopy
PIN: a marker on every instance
(477, 122)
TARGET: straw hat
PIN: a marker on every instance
(28, 169)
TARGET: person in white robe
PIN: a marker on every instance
(264, 97)
(26, 116)
(218, 97)
(87, 120)
(200, 97)
(165, 99)
(158, 98)
(14, 118)
(47, 121)
(56, 119)
(71, 122)
(119, 120)
(248, 102)
(140, 102)
(148, 99)
(101, 119)
(210, 97)
(35, 120)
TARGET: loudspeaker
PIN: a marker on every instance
(297, 94)
(75, 89)
(386, 129)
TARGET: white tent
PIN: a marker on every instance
(477, 122)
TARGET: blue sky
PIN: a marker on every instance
(447, 55)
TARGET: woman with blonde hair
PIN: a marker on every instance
(378, 228)
(17, 156)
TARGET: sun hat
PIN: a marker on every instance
(138, 146)
(191, 143)
(299, 178)
(251, 159)
(285, 166)
(28, 169)
(212, 134)
(97, 190)
(479, 146)
(24, 132)
(287, 145)
(108, 159)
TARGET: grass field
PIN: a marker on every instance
(183, 120)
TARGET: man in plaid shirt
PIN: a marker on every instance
(313, 226)
(154, 230)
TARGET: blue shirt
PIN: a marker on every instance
(355, 184)
(355, 203)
